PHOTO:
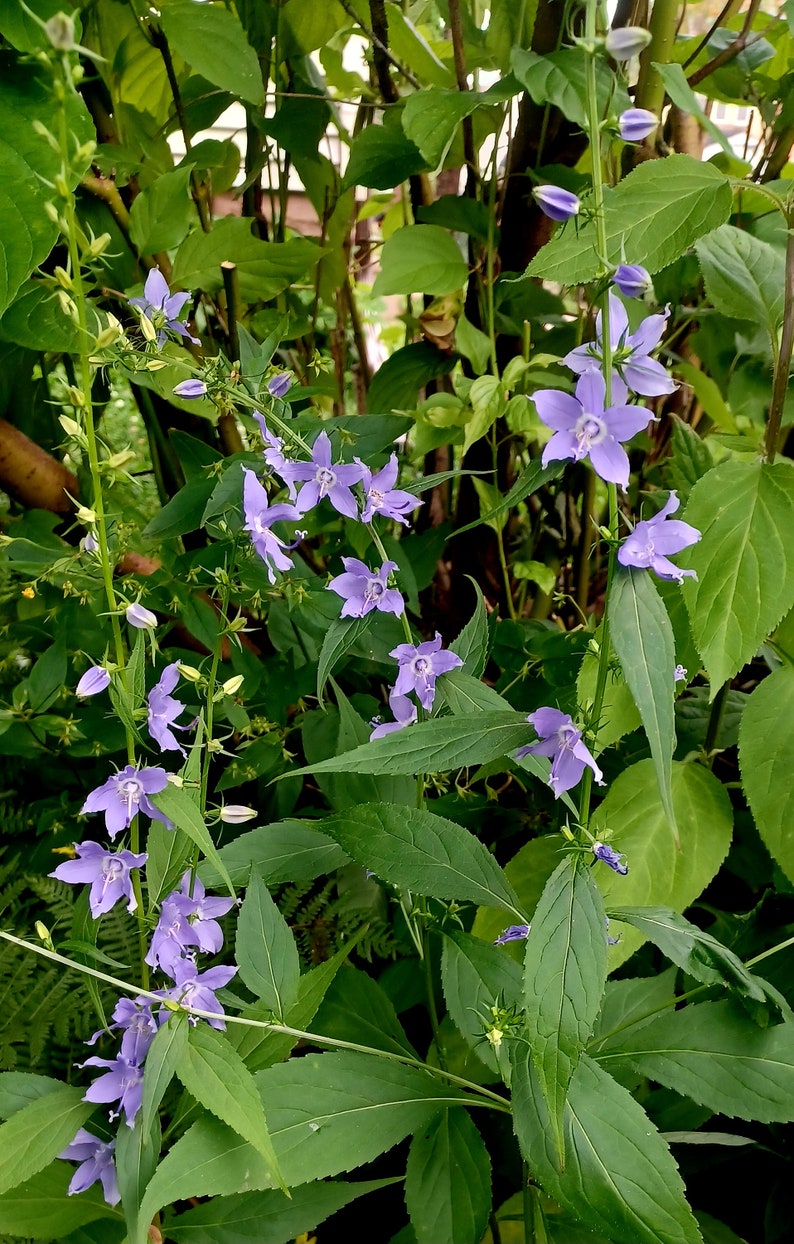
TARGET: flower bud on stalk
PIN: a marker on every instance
(627, 42)
(556, 203)
(635, 124)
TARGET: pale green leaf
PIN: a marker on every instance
(528, 871)
(213, 42)
(684, 97)
(448, 1180)
(745, 278)
(264, 269)
(420, 259)
(37, 1133)
(766, 757)
(161, 214)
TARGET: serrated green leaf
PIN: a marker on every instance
(340, 637)
(162, 213)
(471, 645)
(653, 216)
(475, 976)
(287, 851)
(420, 259)
(264, 269)
(713, 1053)
(689, 460)
(213, 42)
(565, 971)
(381, 158)
(176, 803)
(745, 278)
(355, 1008)
(766, 757)
(744, 562)
(37, 1133)
(560, 78)
(660, 875)
(422, 852)
(619, 1177)
(448, 1180)
(42, 1209)
(168, 1047)
(643, 641)
(135, 1158)
(265, 950)
(528, 871)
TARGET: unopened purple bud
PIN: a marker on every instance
(137, 615)
(627, 42)
(191, 388)
(94, 680)
(632, 280)
(556, 203)
(280, 384)
(637, 123)
(236, 814)
(514, 933)
(89, 544)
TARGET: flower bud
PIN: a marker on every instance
(122, 459)
(52, 213)
(191, 388)
(632, 280)
(70, 426)
(89, 543)
(84, 515)
(189, 672)
(627, 42)
(59, 29)
(280, 384)
(635, 124)
(140, 617)
(233, 685)
(147, 328)
(62, 277)
(61, 185)
(236, 814)
(94, 680)
(556, 203)
(76, 396)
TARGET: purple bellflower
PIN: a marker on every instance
(583, 428)
(611, 858)
(107, 872)
(172, 938)
(202, 912)
(163, 711)
(280, 384)
(637, 123)
(420, 666)
(632, 280)
(140, 617)
(96, 1163)
(630, 352)
(190, 389)
(556, 203)
(274, 452)
(198, 990)
(134, 1018)
(560, 740)
(322, 479)
(162, 307)
(94, 680)
(122, 1082)
(649, 544)
(381, 495)
(363, 589)
(405, 713)
(513, 933)
(259, 517)
(125, 794)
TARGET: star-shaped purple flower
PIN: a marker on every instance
(326, 480)
(653, 539)
(198, 990)
(274, 453)
(164, 710)
(259, 518)
(363, 589)
(560, 740)
(122, 1082)
(420, 666)
(583, 428)
(162, 307)
(125, 794)
(96, 1163)
(611, 858)
(381, 497)
(107, 872)
(630, 352)
(405, 714)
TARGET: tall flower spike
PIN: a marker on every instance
(125, 794)
(562, 742)
(631, 359)
(162, 307)
(584, 428)
(259, 518)
(654, 539)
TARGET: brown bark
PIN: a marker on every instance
(32, 476)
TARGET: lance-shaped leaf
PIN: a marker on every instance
(448, 1180)
(136, 1157)
(714, 1054)
(37, 1133)
(766, 756)
(643, 641)
(565, 972)
(420, 851)
(167, 1048)
(178, 806)
(265, 950)
(340, 637)
(619, 1177)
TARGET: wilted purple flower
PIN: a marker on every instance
(583, 428)
(630, 351)
(363, 589)
(381, 495)
(324, 480)
(420, 666)
(627, 42)
(202, 911)
(94, 680)
(649, 544)
(611, 941)
(514, 933)
(194, 990)
(164, 709)
(560, 740)
(405, 714)
(611, 858)
(123, 1082)
(259, 516)
(125, 794)
(637, 123)
(162, 307)
(280, 384)
(96, 1163)
(679, 674)
(632, 280)
(107, 872)
(190, 388)
(556, 203)
(140, 617)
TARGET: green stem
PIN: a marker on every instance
(663, 25)
(783, 361)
